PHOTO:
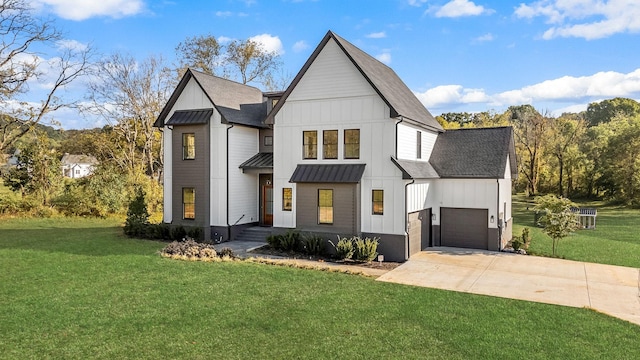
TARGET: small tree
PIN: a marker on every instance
(558, 219)
(137, 215)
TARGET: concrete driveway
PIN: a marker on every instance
(613, 290)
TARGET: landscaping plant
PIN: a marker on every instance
(558, 219)
(344, 248)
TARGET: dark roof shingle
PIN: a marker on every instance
(474, 153)
(412, 169)
(329, 173)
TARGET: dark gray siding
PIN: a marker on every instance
(191, 173)
(263, 148)
(345, 208)
(419, 230)
(393, 247)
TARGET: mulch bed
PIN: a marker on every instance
(268, 250)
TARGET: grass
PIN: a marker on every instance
(75, 288)
(614, 241)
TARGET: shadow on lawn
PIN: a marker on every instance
(99, 241)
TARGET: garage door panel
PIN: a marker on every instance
(466, 228)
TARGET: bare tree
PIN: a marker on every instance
(129, 95)
(20, 32)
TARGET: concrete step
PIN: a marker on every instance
(257, 234)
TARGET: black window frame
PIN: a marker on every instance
(185, 146)
(313, 147)
(287, 206)
(350, 146)
(184, 204)
(321, 207)
(379, 202)
(326, 146)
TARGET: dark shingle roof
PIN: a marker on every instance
(223, 94)
(474, 153)
(190, 117)
(400, 99)
(258, 161)
(412, 169)
(333, 173)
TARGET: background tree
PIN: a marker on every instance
(558, 220)
(202, 53)
(21, 33)
(605, 110)
(249, 61)
(565, 134)
(530, 129)
(129, 95)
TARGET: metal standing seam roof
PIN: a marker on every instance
(190, 117)
(328, 173)
(258, 161)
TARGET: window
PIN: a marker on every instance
(77, 171)
(330, 144)
(188, 146)
(287, 199)
(419, 145)
(268, 141)
(310, 144)
(325, 206)
(377, 197)
(352, 144)
(188, 203)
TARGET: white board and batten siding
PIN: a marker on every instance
(333, 95)
(505, 193)
(408, 144)
(243, 187)
(192, 97)
(470, 194)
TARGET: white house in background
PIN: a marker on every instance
(77, 166)
(346, 150)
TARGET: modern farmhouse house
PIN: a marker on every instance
(346, 150)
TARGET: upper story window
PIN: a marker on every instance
(352, 144)
(310, 144)
(419, 145)
(188, 146)
(330, 144)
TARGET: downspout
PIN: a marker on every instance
(406, 218)
(498, 216)
(396, 147)
(228, 225)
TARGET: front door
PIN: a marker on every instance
(267, 205)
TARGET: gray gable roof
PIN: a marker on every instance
(412, 169)
(230, 98)
(474, 153)
(393, 91)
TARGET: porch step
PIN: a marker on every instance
(256, 233)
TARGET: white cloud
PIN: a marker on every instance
(71, 45)
(269, 43)
(566, 89)
(588, 19)
(79, 10)
(459, 8)
(416, 3)
(377, 35)
(300, 46)
(384, 57)
(484, 38)
(224, 39)
(223, 13)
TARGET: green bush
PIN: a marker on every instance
(137, 216)
(9, 206)
(364, 249)
(195, 233)
(178, 233)
(344, 248)
(516, 243)
(290, 241)
(312, 244)
(274, 241)
(526, 238)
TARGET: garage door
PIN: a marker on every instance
(419, 225)
(466, 228)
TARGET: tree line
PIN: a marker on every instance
(591, 154)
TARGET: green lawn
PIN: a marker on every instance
(76, 289)
(615, 241)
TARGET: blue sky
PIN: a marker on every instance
(456, 55)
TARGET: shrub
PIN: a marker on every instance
(364, 249)
(516, 243)
(526, 238)
(178, 233)
(312, 244)
(190, 250)
(162, 231)
(290, 241)
(274, 241)
(137, 216)
(344, 248)
(195, 233)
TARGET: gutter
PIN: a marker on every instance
(406, 218)
(498, 216)
(228, 225)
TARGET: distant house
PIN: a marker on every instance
(77, 166)
(347, 149)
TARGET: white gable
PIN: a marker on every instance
(191, 97)
(331, 75)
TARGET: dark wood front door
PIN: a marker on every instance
(267, 205)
